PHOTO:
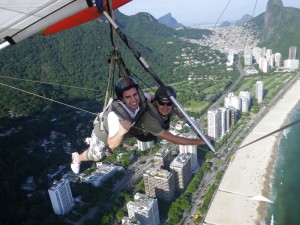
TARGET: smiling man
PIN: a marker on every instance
(155, 123)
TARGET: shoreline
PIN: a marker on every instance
(250, 173)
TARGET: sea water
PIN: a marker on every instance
(285, 191)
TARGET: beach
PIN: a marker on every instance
(249, 175)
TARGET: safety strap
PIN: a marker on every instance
(100, 117)
(154, 112)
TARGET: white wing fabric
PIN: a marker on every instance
(20, 19)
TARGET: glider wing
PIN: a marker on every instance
(20, 19)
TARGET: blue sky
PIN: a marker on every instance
(191, 12)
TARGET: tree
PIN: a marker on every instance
(125, 161)
(120, 214)
(209, 155)
(205, 167)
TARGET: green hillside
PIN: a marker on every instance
(78, 57)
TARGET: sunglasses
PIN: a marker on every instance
(165, 103)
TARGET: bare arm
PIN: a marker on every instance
(116, 140)
(175, 139)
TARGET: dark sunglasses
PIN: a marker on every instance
(165, 103)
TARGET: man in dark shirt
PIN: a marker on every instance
(155, 125)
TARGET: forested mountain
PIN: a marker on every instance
(169, 21)
(78, 57)
(278, 27)
(246, 18)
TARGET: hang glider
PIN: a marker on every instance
(20, 19)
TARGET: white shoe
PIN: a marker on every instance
(75, 166)
(88, 141)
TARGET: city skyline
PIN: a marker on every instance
(201, 12)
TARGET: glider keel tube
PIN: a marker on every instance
(4, 45)
(194, 126)
(8, 42)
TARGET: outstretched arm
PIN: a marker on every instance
(175, 139)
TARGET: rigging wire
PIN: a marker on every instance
(221, 14)
(61, 103)
(247, 32)
(269, 134)
(52, 100)
(41, 82)
(113, 59)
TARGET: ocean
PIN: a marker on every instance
(285, 189)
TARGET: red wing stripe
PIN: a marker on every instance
(80, 18)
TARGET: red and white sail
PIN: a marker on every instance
(20, 19)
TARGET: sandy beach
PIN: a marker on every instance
(249, 173)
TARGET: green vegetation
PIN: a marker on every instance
(272, 84)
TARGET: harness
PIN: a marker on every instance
(101, 122)
(143, 135)
(164, 122)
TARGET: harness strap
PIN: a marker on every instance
(154, 112)
(100, 118)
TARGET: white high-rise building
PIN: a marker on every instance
(61, 197)
(292, 64)
(228, 119)
(292, 52)
(159, 183)
(129, 221)
(181, 168)
(277, 59)
(259, 93)
(271, 61)
(264, 65)
(268, 54)
(144, 209)
(163, 157)
(214, 124)
(223, 121)
(230, 58)
(245, 104)
(257, 54)
(232, 101)
(245, 96)
(248, 58)
(145, 145)
(192, 150)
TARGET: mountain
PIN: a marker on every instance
(225, 24)
(78, 57)
(169, 21)
(275, 17)
(245, 19)
(278, 27)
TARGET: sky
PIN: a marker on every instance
(193, 12)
